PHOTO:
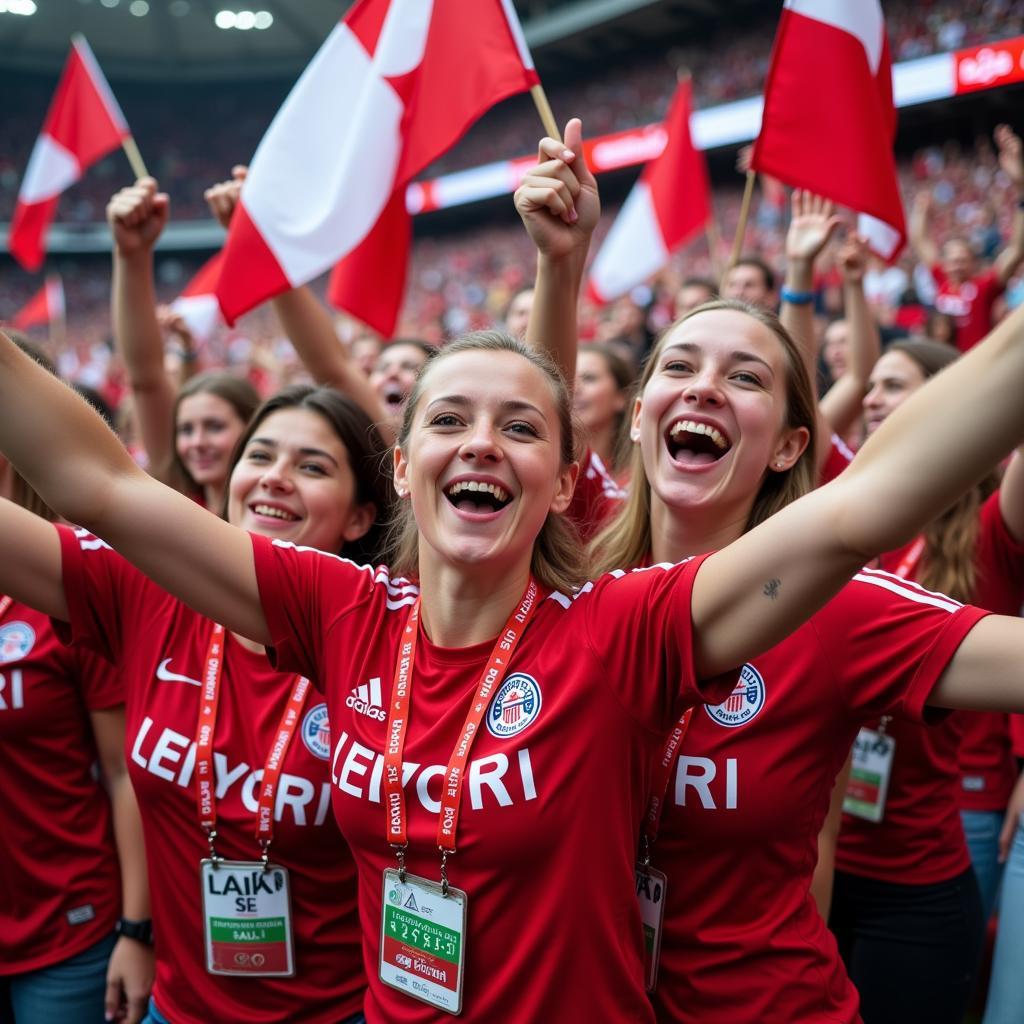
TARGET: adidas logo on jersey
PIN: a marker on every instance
(366, 699)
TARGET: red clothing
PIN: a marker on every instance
(970, 304)
(550, 815)
(596, 498)
(988, 770)
(60, 891)
(839, 457)
(920, 840)
(160, 645)
(743, 938)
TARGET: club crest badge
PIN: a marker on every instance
(316, 732)
(16, 641)
(514, 707)
(744, 703)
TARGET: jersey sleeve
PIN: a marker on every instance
(639, 626)
(838, 458)
(596, 498)
(305, 593)
(101, 682)
(104, 593)
(888, 641)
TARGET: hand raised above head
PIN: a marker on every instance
(137, 216)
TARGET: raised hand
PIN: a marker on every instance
(1010, 157)
(222, 198)
(172, 322)
(558, 199)
(812, 225)
(137, 216)
(853, 258)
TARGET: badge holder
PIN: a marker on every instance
(651, 885)
(866, 791)
(423, 936)
(247, 919)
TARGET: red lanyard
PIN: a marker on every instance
(662, 776)
(909, 561)
(206, 798)
(398, 724)
(5, 603)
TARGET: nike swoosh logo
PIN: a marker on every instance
(165, 675)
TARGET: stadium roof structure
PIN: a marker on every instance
(206, 39)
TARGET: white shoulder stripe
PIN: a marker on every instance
(897, 586)
(910, 584)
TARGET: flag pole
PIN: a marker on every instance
(134, 157)
(547, 118)
(741, 227)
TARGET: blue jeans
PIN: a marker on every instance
(982, 830)
(71, 990)
(156, 1017)
(1006, 987)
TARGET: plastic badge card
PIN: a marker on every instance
(869, 777)
(422, 940)
(650, 893)
(248, 920)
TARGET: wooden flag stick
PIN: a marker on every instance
(547, 118)
(714, 237)
(134, 158)
(741, 228)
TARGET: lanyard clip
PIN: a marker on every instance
(211, 835)
(645, 850)
(265, 853)
(444, 870)
(400, 854)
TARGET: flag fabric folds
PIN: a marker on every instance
(829, 118)
(396, 84)
(83, 124)
(197, 304)
(670, 203)
(45, 307)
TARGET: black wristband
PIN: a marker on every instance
(141, 931)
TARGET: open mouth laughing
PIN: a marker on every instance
(691, 443)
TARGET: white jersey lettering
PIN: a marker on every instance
(12, 691)
(698, 773)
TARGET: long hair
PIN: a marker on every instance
(624, 377)
(367, 454)
(558, 560)
(951, 539)
(236, 391)
(626, 540)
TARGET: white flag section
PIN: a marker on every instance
(633, 250)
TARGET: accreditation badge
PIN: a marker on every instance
(650, 894)
(423, 940)
(247, 918)
(869, 776)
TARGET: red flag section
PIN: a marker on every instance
(670, 202)
(83, 124)
(410, 76)
(829, 119)
(197, 303)
(46, 306)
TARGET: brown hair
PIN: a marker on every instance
(624, 377)
(236, 391)
(626, 540)
(367, 454)
(21, 493)
(558, 562)
(951, 539)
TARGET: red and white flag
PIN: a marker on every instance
(84, 123)
(45, 307)
(396, 84)
(829, 118)
(197, 304)
(669, 204)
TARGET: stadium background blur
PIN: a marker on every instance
(198, 99)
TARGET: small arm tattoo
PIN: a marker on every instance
(771, 588)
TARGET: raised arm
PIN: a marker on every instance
(560, 207)
(1012, 162)
(812, 224)
(841, 405)
(308, 324)
(30, 563)
(751, 594)
(137, 216)
(80, 469)
(921, 242)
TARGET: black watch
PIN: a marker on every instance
(141, 931)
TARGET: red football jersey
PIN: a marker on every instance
(596, 498)
(970, 304)
(552, 802)
(160, 645)
(838, 458)
(60, 891)
(743, 939)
